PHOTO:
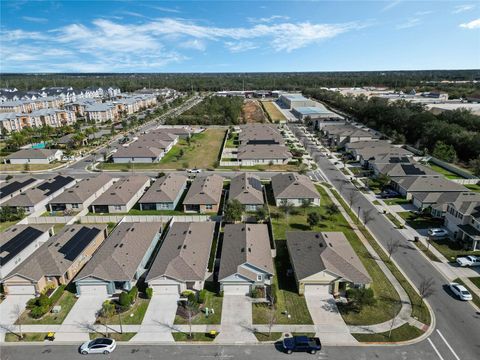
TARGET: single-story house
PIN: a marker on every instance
(260, 134)
(325, 262)
(409, 185)
(56, 261)
(13, 187)
(121, 260)
(82, 194)
(182, 262)
(259, 154)
(437, 202)
(398, 169)
(246, 261)
(35, 199)
(34, 156)
(462, 219)
(204, 194)
(165, 193)
(248, 190)
(368, 155)
(121, 196)
(295, 189)
(18, 242)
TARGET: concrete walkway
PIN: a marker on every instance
(236, 320)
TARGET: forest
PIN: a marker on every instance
(410, 123)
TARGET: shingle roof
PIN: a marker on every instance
(313, 252)
(165, 189)
(122, 191)
(135, 150)
(81, 191)
(405, 169)
(245, 244)
(260, 151)
(121, 253)
(32, 154)
(58, 253)
(293, 186)
(247, 189)
(428, 184)
(185, 252)
(205, 190)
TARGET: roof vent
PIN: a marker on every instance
(242, 250)
(120, 246)
(179, 247)
(184, 246)
(320, 244)
(249, 250)
(317, 236)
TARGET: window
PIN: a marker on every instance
(259, 277)
(117, 207)
(209, 206)
(74, 206)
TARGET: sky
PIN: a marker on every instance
(238, 36)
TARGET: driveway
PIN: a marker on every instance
(157, 324)
(82, 315)
(329, 324)
(236, 320)
(11, 307)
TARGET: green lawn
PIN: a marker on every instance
(402, 333)
(444, 172)
(419, 310)
(265, 336)
(307, 334)
(273, 112)
(420, 222)
(232, 142)
(476, 298)
(151, 212)
(212, 301)
(6, 224)
(394, 220)
(396, 201)
(27, 337)
(376, 202)
(388, 299)
(138, 310)
(287, 167)
(31, 167)
(126, 336)
(202, 153)
(180, 336)
(476, 281)
(475, 187)
(452, 249)
(426, 251)
(66, 301)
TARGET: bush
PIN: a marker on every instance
(192, 298)
(273, 293)
(43, 300)
(108, 309)
(256, 293)
(360, 297)
(133, 293)
(38, 311)
(124, 299)
(202, 294)
(149, 293)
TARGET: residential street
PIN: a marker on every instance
(457, 320)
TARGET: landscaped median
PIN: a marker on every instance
(183, 336)
(128, 309)
(209, 299)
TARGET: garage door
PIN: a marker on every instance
(93, 290)
(317, 289)
(21, 290)
(236, 289)
(166, 289)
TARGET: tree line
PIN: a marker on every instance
(411, 123)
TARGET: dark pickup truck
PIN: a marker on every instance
(302, 344)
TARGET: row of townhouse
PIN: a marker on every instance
(14, 121)
(28, 106)
(67, 94)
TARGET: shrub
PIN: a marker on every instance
(202, 294)
(133, 294)
(273, 293)
(192, 298)
(149, 293)
(31, 303)
(108, 309)
(360, 297)
(124, 299)
(43, 300)
(256, 293)
(38, 311)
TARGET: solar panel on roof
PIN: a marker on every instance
(14, 186)
(74, 247)
(18, 243)
(410, 169)
(50, 187)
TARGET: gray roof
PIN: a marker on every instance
(185, 252)
(293, 186)
(32, 154)
(258, 151)
(247, 189)
(374, 152)
(314, 252)
(245, 244)
(165, 189)
(405, 169)
(99, 107)
(205, 190)
(428, 184)
(257, 133)
(81, 191)
(122, 191)
(137, 150)
(468, 204)
(121, 253)
(367, 144)
(58, 253)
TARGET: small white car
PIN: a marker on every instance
(194, 171)
(470, 260)
(437, 232)
(98, 346)
(460, 291)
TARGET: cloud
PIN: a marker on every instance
(35, 19)
(240, 46)
(268, 19)
(463, 8)
(391, 5)
(412, 22)
(474, 24)
(194, 44)
(164, 9)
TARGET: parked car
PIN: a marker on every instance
(437, 232)
(194, 171)
(302, 344)
(468, 261)
(460, 291)
(98, 346)
(387, 193)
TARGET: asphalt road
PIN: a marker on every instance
(457, 321)
(421, 351)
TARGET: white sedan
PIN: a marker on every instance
(438, 233)
(98, 346)
(460, 291)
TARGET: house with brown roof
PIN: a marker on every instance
(165, 193)
(57, 261)
(294, 189)
(82, 194)
(13, 187)
(410, 185)
(34, 156)
(182, 261)
(121, 260)
(325, 262)
(246, 261)
(248, 190)
(121, 196)
(204, 195)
